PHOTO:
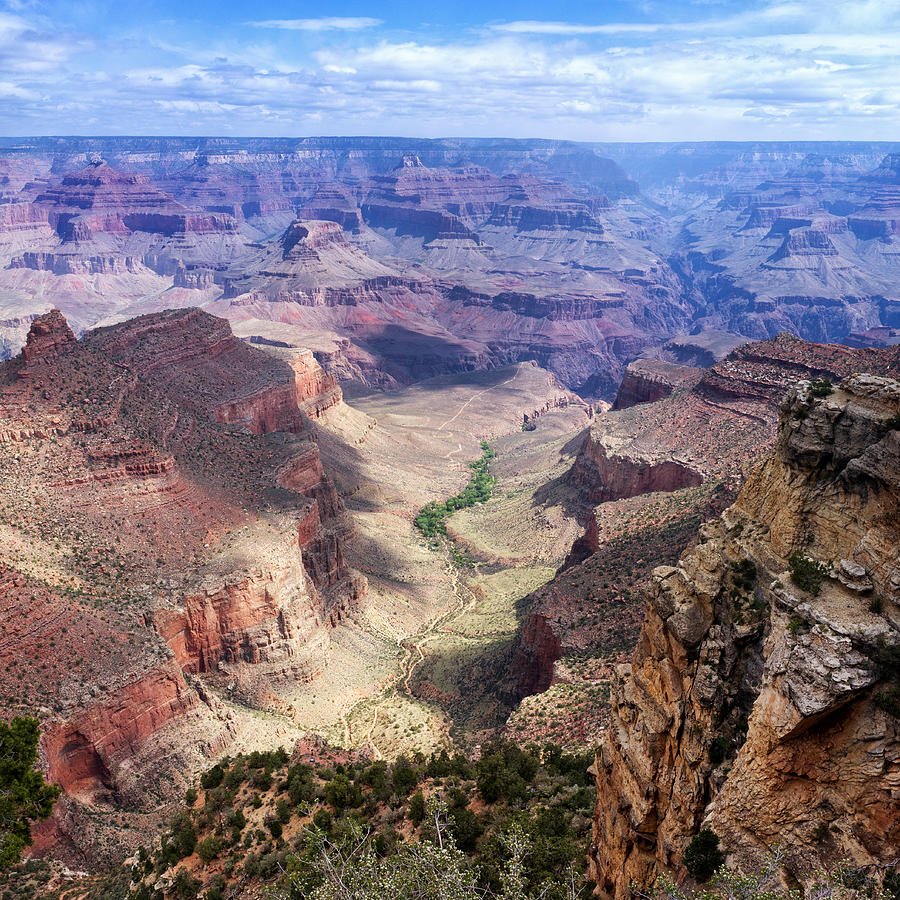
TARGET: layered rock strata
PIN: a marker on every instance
(648, 380)
(166, 521)
(762, 697)
(646, 477)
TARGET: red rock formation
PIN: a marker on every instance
(101, 199)
(48, 335)
(85, 751)
(227, 544)
(648, 380)
(317, 390)
(536, 649)
(602, 476)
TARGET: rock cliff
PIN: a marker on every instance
(645, 478)
(167, 529)
(647, 380)
(762, 700)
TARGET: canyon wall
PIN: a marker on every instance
(167, 525)
(765, 709)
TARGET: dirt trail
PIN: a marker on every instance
(375, 751)
(475, 397)
(413, 655)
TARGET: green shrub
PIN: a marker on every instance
(416, 808)
(209, 848)
(703, 856)
(821, 387)
(212, 778)
(430, 520)
(23, 793)
(185, 885)
(807, 573)
(262, 779)
(404, 776)
(283, 811)
(180, 841)
(322, 819)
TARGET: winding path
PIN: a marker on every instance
(474, 397)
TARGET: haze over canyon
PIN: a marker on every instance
(558, 481)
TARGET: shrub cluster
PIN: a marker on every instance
(821, 387)
(430, 520)
(807, 573)
(544, 793)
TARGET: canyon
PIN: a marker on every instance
(236, 370)
(646, 477)
(396, 260)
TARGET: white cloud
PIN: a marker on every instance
(529, 26)
(784, 69)
(326, 23)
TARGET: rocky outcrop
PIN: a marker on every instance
(47, 336)
(195, 279)
(86, 752)
(533, 655)
(602, 474)
(648, 380)
(101, 199)
(757, 703)
(536, 217)
(270, 617)
(429, 224)
(178, 468)
(803, 243)
(317, 391)
(76, 264)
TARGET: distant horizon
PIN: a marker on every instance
(6, 139)
(626, 71)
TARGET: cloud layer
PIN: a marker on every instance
(777, 70)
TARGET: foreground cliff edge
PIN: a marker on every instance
(765, 709)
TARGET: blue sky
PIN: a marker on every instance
(644, 70)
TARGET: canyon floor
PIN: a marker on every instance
(400, 678)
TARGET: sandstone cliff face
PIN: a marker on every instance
(604, 475)
(793, 688)
(648, 380)
(166, 520)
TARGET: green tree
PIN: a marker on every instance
(703, 856)
(24, 795)
(416, 808)
(209, 848)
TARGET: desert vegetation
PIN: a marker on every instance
(431, 519)
(24, 795)
(517, 817)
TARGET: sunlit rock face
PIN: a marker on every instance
(786, 682)
(167, 520)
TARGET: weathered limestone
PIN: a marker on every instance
(785, 682)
